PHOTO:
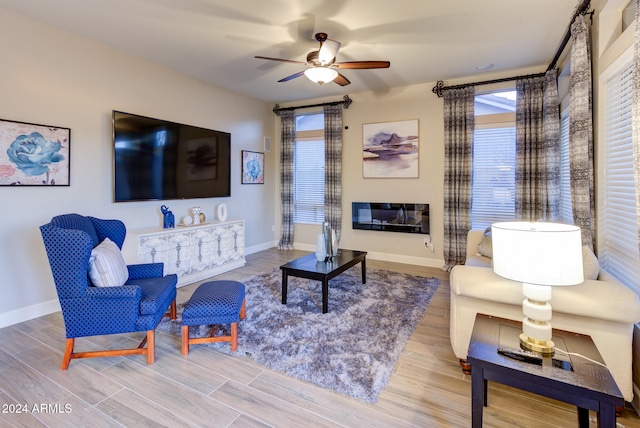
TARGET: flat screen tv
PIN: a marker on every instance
(159, 160)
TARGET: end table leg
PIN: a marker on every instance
(606, 416)
(363, 265)
(325, 296)
(284, 287)
(583, 417)
(478, 396)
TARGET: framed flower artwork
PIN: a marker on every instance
(252, 167)
(34, 155)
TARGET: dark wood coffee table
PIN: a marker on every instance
(589, 386)
(309, 267)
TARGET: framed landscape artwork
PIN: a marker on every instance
(33, 155)
(390, 149)
(252, 167)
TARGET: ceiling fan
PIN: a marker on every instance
(322, 63)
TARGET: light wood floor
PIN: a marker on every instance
(210, 389)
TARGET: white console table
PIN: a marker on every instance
(193, 253)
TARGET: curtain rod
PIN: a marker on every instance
(346, 101)
(440, 87)
(580, 10)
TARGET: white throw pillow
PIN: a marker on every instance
(590, 264)
(107, 267)
(485, 247)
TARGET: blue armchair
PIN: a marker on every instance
(138, 305)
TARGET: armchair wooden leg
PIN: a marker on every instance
(185, 340)
(68, 351)
(151, 346)
(172, 310)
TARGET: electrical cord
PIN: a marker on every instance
(573, 354)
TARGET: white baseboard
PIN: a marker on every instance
(386, 257)
(30, 312)
(24, 314)
(260, 247)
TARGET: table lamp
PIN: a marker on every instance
(540, 255)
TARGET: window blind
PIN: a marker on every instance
(308, 181)
(566, 208)
(617, 244)
(494, 156)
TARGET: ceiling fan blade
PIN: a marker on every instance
(328, 51)
(341, 80)
(279, 59)
(362, 64)
(293, 76)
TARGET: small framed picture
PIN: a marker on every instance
(252, 167)
(33, 155)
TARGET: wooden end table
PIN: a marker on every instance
(309, 267)
(589, 386)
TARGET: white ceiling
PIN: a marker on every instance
(216, 40)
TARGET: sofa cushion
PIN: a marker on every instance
(156, 292)
(107, 268)
(477, 260)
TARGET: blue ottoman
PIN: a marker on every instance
(214, 302)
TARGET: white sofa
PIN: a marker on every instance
(602, 308)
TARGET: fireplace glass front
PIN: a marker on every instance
(390, 217)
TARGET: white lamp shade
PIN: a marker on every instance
(538, 252)
(320, 75)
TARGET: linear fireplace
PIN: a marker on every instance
(390, 217)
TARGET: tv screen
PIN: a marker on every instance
(157, 160)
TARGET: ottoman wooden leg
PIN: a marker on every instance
(185, 340)
(243, 309)
(234, 336)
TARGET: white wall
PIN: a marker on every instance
(54, 78)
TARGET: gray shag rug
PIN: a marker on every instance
(351, 350)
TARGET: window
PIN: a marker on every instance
(308, 169)
(494, 153)
(618, 237)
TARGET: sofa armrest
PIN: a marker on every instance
(146, 270)
(126, 292)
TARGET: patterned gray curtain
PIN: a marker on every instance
(581, 132)
(333, 167)
(459, 121)
(288, 132)
(537, 149)
(636, 114)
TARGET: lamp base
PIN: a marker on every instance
(546, 348)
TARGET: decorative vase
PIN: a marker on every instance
(196, 215)
(222, 212)
(334, 243)
(321, 250)
(328, 241)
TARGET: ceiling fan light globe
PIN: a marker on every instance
(320, 75)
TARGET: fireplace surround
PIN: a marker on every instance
(390, 217)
